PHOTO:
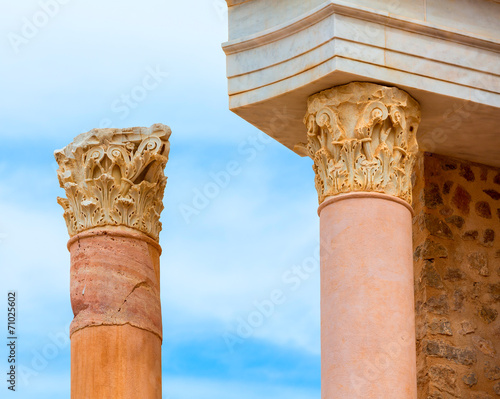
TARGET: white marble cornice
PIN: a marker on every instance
(330, 7)
(445, 54)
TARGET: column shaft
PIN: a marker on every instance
(115, 362)
(116, 331)
(367, 300)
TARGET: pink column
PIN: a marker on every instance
(367, 299)
(114, 182)
(362, 138)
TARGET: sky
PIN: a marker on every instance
(66, 67)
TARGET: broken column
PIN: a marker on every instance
(114, 183)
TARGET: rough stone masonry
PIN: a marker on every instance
(457, 278)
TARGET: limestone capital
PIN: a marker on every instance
(362, 137)
(114, 177)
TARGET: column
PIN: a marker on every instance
(362, 138)
(114, 183)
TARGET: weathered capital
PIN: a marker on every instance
(114, 177)
(362, 137)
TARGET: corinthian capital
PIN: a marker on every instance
(362, 137)
(114, 177)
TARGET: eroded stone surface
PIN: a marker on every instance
(479, 261)
(484, 345)
(437, 227)
(465, 356)
(444, 378)
(437, 304)
(114, 177)
(458, 295)
(470, 379)
(488, 314)
(442, 327)
(430, 250)
(362, 137)
(115, 280)
(492, 371)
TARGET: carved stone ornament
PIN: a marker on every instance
(362, 137)
(114, 177)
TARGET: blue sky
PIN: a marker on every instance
(221, 264)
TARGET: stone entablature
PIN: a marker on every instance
(434, 50)
(114, 177)
(362, 137)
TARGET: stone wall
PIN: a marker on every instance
(457, 278)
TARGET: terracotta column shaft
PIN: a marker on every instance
(114, 184)
(361, 137)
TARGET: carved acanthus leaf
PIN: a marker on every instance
(114, 177)
(362, 137)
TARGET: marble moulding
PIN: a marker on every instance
(362, 137)
(114, 177)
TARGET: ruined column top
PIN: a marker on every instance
(114, 177)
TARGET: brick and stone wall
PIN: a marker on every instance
(457, 278)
